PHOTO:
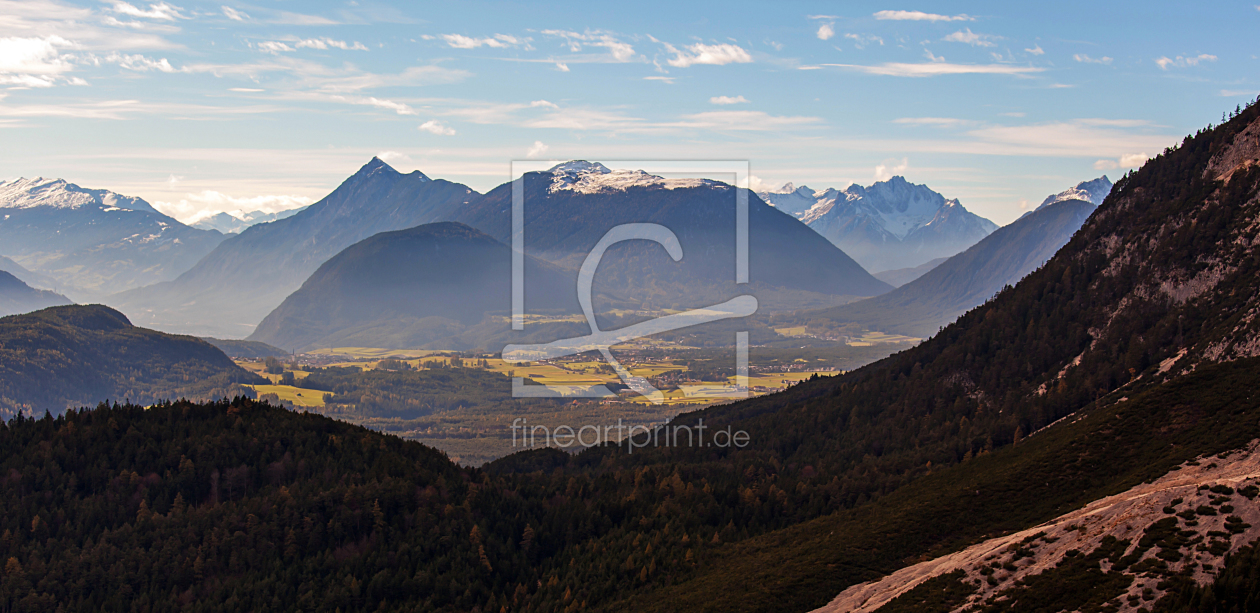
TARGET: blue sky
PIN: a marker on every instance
(223, 106)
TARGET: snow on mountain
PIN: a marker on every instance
(892, 224)
(592, 177)
(57, 193)
(93, 242)
(794, 201)
(1090, 191)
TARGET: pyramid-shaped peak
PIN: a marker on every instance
(376, 166)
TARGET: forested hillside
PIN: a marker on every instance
(77, 356)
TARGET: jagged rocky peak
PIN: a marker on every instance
(1094, 191)
(579, 167)
(58, 193)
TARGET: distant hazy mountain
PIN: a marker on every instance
(246, 349)
(569, 208)
(235, 224)
(921, 307)
(412, 288)
(890, 225)
(33, 279)
(229, 291)
(902, 276)
(94, 242)
(78, 356)
(18, 297)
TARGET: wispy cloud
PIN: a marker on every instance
(1037, 50)
(700, 53)
(919, 16)
(272, 46)
(1165, 63)
(727, 100)
(1085, 59)
(890, 168)
(161, 11)
(498, 41)
(576, 42)
(970, 38)
(1230, 93)
(862, 40)
(434, 126)
(233, 14)
(198, 206)
(932, 69)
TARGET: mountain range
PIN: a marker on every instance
(938, 296)
(17, 297)
(94, 242)
(1085, 440)
(234, 287)
(568, 209)
(890, 225)
(229, 223)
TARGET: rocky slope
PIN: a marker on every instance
(18, 297)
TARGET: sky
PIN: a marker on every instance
(206, 107)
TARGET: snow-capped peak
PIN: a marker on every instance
(1094, 191)
(579, 167)
(57, 193)
(592, 177)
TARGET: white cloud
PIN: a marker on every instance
(234, 14)
(1182, 62)
(660, 78)
(575, 41)
(1036, 50)
(562, 67)
(919, 16)
(1106, 165)
(390, 105)
(1133, 160)
(325, 43)
(536, 150)
(160, 11)
(310, 43)
(727, 100)
(196, 207)
(932, 69)
(890, 168)
(33, 62)
(139, 63)
(970, 38)
(927, 53)
(1085, 59)
(434, 126)
(544, 104)
(825, 31)
(1230, 93)
(271, 46)
(700, 53)
(497, 41)
(862, 40)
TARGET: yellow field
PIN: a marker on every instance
(795, 331)
(296, 395)
(783, 379)
(257, 368)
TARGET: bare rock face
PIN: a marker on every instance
(1184, 523)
